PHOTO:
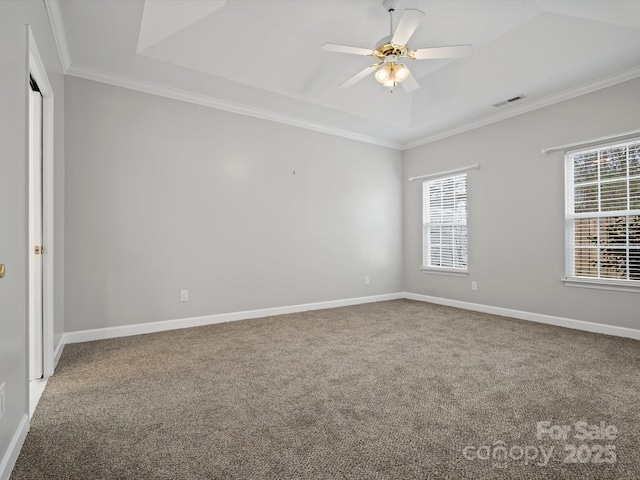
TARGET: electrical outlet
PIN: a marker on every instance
(2, 400)
(474, 286)
(184, 295)
(366, 280)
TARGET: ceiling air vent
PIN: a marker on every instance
(508, 101)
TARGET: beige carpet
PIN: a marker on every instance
(393, 390)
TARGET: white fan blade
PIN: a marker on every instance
(410, 84)
(332, 47)
(454, 51)
(360, 75)
(408, 23)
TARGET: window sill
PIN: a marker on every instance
(445, 271)
(601, 284)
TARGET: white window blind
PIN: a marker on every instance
(445, 223)
(603, 213)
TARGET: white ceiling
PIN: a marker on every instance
(263, 57)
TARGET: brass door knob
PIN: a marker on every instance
(1, 270)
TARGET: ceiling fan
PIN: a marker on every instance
(391, 49)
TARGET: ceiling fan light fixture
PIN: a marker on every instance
(391, 74)
(401, 72)
(383, 74)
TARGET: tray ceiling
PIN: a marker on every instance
(263, 57)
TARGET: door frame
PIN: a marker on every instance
(36, 323)
(39, 73)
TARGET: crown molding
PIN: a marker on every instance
(603, 82)
(190, 97)
(204, 100)
(57, 26)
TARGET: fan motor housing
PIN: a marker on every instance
(387, 49)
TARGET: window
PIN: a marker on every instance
(444, 238)
(603, 215)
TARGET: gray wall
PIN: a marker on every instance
(13, 196)
(163, 195)
(516, 209)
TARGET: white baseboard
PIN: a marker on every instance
(57, 353)
(533, 317)
(152, 327)
(11, 455)
(36, 389)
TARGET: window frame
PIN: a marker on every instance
(426, 239)
(570, 217)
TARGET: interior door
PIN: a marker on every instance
(35, 233)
